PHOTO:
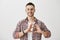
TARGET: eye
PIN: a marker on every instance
(27, 9)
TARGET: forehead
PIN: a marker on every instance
(30, 6)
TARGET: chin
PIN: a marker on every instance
(30, 15)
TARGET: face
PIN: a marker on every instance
(30, 10)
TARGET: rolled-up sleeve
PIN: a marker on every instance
(17, 30)
(45, 29)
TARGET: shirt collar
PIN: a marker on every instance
(34, 20)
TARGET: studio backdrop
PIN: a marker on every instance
(11, 11)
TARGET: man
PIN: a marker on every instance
(31, 25)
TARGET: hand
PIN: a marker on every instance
(38, 30)
(28, 29)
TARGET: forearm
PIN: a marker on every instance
(17, 35)
(46, 34)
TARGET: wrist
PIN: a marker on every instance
(40, 32)
(25, 31)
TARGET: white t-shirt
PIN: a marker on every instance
(30, 33)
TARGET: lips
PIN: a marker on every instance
(30, 14)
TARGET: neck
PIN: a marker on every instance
(31, 19)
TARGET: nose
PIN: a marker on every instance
(30, 11)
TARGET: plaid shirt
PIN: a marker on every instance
(22, 25)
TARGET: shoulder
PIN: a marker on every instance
(21, 21)
(40, 21)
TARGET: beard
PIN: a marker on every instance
(30, 14)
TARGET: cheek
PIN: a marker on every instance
(33, 11)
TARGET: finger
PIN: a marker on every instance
(35, 31)
(29, 26)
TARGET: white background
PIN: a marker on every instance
(11, 11)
